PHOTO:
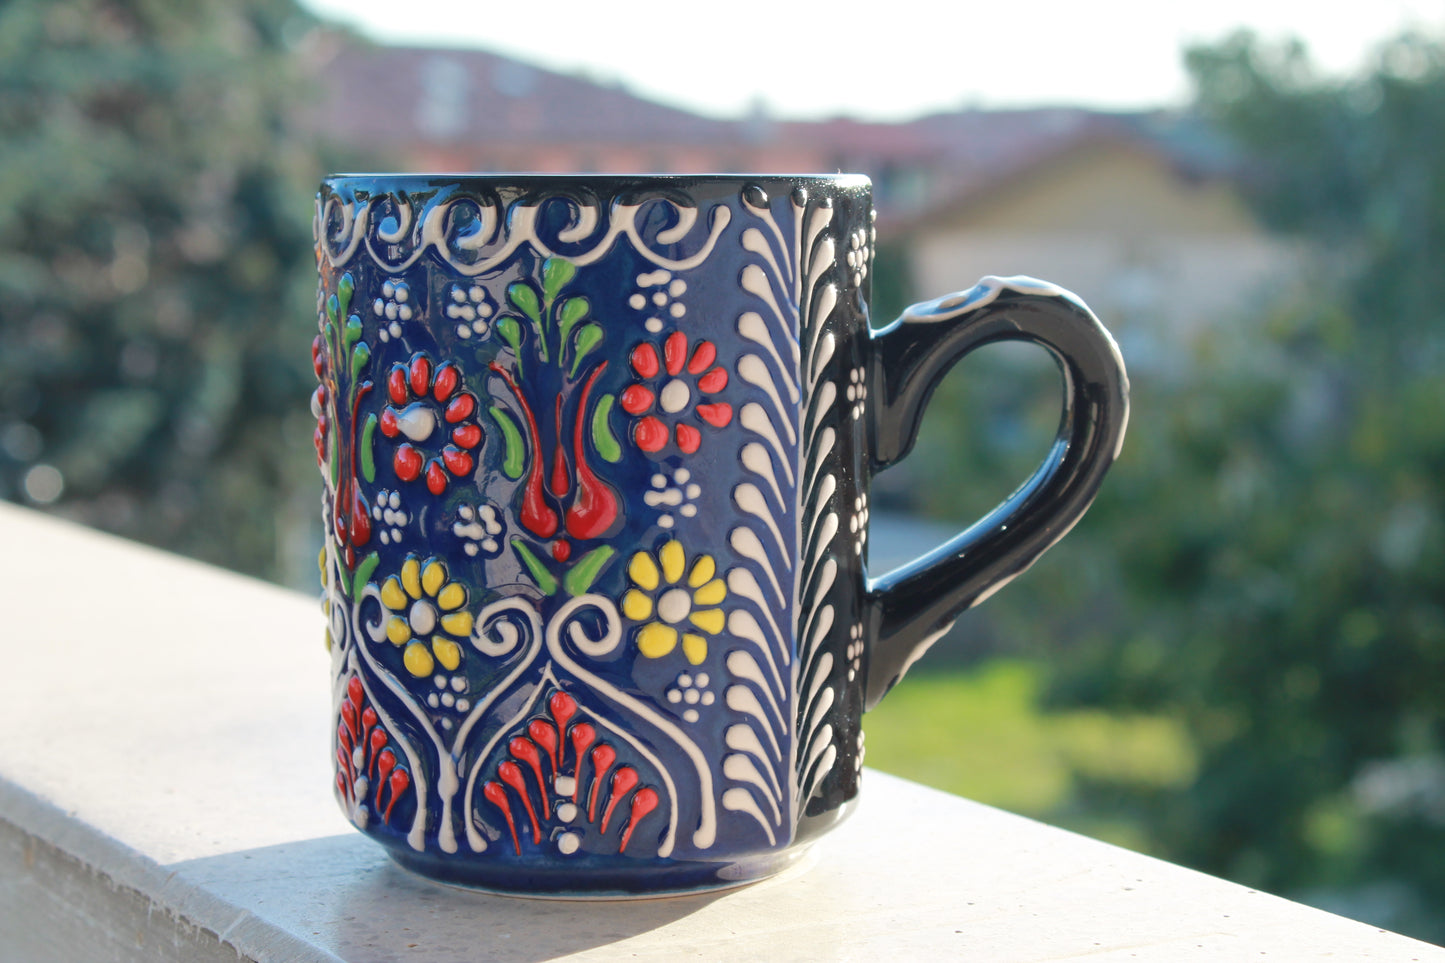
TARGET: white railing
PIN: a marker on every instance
(164, 779)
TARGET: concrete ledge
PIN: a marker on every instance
(164, 795)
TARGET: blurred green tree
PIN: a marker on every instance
(154, 267)
(1276, 522)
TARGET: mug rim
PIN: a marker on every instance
(841, 180)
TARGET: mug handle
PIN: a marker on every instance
(908, 608)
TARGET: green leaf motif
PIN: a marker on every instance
(511, 333)
(364, 568)
(556, 272)
(569, 312)
(368, 460)
(524, 298)
(587, 339)
(602, 437)
(344, 288)
(514, 451)
(579, 577)
(540, 575)
(352, 333)
(333, 309)
(359, 357)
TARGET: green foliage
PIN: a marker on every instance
(360, 356)
(514, 450)
(1354, 165)
(536, 567)
(522, 296)
(155, 268)
(576, 579)
(364, 570)
(548, 313)
(511, 332)
(579, 578)
(589, 337)
(365, 449)
(344, 289)
(982, 733)
(1274, 527)
(1266, 563)
(570, 311)
(603, 438)
(353, 332)
(556, 272)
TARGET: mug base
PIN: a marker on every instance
(655, 883)
(601, 881)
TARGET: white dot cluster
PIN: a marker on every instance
(859, 253)
(393, 307)
(854, 652)
(658, 293)
(448, 695)
(857, 391)
(471, 309)
(678, 493)
(478, 528)
(392, 516)
(858, 522)
(691, 691)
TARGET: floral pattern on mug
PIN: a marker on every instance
(691, 690)
(479, 528)
(392, 308)
(470, 307)
(369, 776)
(671, 388)
(626, 644)
(390, 516)
(426, 614)
(658, 292)
(857, 391)
(678, 494)
(674, 608)
(431, 412)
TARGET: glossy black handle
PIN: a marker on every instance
(912, 606)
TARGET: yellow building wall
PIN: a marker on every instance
(1157, 256)
(1109, 185)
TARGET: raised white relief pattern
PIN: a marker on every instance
(476, 233)
(816, 750)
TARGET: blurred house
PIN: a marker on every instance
(469, 110)
(1138, 214)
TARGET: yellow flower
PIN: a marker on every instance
(421, 602)
(659, 596)
(325, 596)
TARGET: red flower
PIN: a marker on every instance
(424, 399)
(323, 424)
(675, 397)
(319, 399)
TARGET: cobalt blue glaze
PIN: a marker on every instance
(596, 453)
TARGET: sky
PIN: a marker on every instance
(887, 59)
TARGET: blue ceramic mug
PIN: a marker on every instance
(596, 454)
